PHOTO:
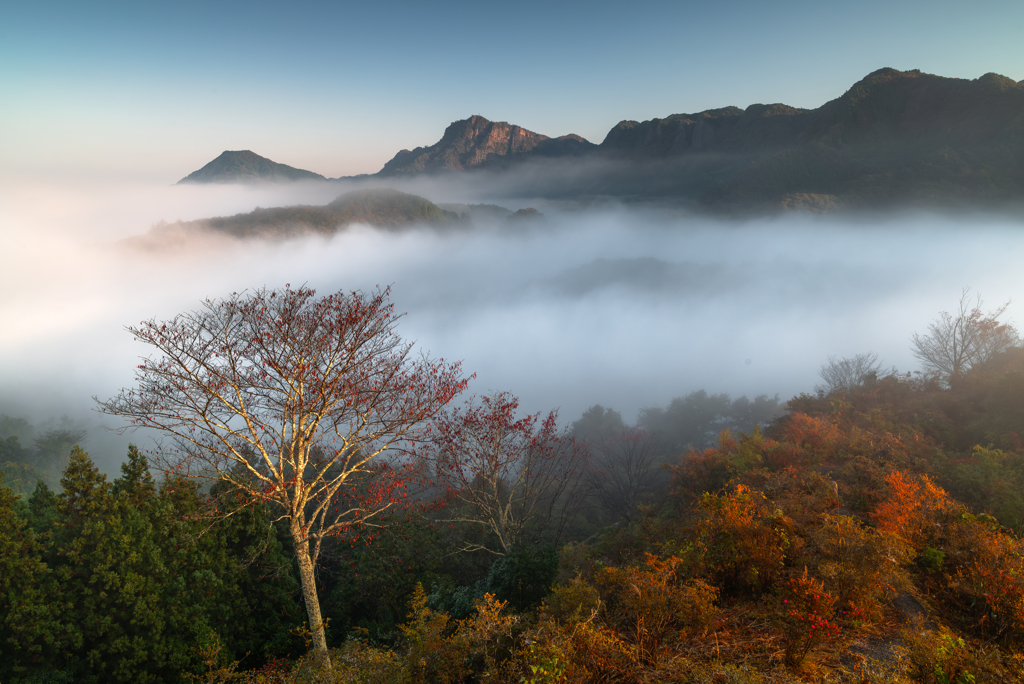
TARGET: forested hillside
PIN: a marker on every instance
(382, 208)
(866, 532)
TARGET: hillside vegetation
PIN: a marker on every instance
(869, 534)
(381, 208)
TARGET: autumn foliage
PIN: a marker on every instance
(873, 534)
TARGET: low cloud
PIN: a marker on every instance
(612, 304)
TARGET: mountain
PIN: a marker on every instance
(894, 138)
(382, 208)
(478, 143)
(245, 166)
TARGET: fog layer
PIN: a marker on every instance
(626, 307)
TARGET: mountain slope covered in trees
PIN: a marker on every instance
(871, 533)
(381, 208)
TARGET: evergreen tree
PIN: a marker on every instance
(29, 625)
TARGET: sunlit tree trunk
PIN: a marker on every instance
(309, 593)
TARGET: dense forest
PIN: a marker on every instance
(868, 531)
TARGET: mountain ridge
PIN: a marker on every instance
(893, 137)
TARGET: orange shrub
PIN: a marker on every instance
(994, 574)
(818, 439)
(803, 496)
(572, 602)
(915, 509)
(859, 565)
(743, 539)
(431, 656)
(697, 472)
(647, 605)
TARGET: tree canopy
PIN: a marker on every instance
(292, 400)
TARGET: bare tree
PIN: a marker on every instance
(511, 476)
(622, 469)
(846, 373)
(965, 338)
(291, 400)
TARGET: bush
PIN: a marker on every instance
(807, 617)
(521, 578)
(859, 565)
(743, 540)
(647, 605)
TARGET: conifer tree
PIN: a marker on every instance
(29, 625)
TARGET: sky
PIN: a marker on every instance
(104, 106)
(156, 90)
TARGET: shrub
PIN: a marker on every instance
(915, 510)
(572, 602)
(431, 656)
(942, 657)
(807, 616)
(743, 540)
(859, 565)
(647, 605)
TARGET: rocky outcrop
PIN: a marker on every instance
(476, 142)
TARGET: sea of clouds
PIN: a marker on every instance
(622, 305)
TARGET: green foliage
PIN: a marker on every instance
(368, 581)
(931, 560)
(113, 582)
(522, 578)
(31, 625)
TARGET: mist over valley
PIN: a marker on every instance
(448, 343)
(623, 305)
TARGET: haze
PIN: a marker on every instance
(626, 307)
(105, 106)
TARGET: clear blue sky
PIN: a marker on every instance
(155, 90)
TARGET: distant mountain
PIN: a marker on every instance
(894, 138)
(382, 208)
(247, 167)
(478, 143)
